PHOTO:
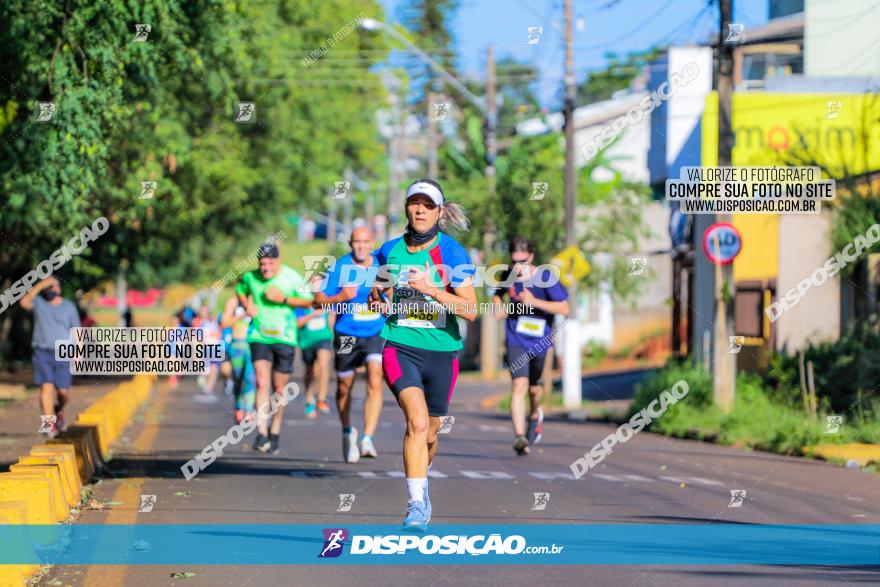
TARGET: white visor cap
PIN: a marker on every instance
(427, 189)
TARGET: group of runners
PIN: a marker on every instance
(404, 330)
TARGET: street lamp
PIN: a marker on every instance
(489, 331)
(371, 24)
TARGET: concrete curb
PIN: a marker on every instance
(859, 452)
(44, 484)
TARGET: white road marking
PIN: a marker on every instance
(486, 475)
(551, 476)
(397, 475)
(700, 480)
(501, 475)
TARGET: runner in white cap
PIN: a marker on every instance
(432, 285)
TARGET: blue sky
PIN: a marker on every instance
(608, 25)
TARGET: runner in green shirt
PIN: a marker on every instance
(269, 294)
(316, 347)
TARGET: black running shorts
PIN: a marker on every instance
(520, 364)
(434, 372)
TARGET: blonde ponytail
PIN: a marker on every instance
(454, 218)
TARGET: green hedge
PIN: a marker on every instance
(759, 418)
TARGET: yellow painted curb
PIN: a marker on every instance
(858, 452)
(65, 453)
(101, 434)
(71, 487)
(42, 486)
(53, 474)
(82, 439)
(15, 512)
(37, 492)
(110, 426)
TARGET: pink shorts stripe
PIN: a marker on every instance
(454, 377)
(390, 365)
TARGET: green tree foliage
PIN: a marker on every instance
(846, 372)
(609, 222)
(162, 110)
(857, 203)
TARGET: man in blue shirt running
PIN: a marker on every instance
(356, 340)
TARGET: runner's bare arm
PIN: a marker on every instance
(548, 306)
(303, 320)
(27, 302)
(227, 319)
(346, 294)
(377, 301)
(273, 294)
(461, 301)
(498, 310)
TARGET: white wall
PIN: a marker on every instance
(632, 148)
(840, 38)
(685, 107)
(804, 247)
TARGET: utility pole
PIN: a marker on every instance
(348, 205)
(398, 159)
(489, 327)
(724, 375)
(571, 377)
(432, 136)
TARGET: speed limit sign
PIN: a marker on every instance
(727, 246)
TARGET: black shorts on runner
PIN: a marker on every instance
(310, 355)
(280, 355)
(434, 372)
(520, 365)
(352, 352)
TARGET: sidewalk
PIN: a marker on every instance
(20, 419)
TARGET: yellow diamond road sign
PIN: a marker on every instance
(573, 266)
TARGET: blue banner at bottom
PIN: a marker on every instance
(545, 544)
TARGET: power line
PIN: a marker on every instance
(636, 29)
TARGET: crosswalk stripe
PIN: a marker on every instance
(486, 475)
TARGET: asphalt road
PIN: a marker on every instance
(477, 480)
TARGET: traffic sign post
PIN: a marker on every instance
(726, 243)
(722, 242)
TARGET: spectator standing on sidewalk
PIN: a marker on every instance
(54, 316)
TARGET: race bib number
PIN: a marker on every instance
(270, 331)
(530, 326)
(318, 323)
(422, 316)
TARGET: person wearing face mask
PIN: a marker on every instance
(431, 278)
(527, 330)
(54, 316)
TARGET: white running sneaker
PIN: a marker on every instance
(350, 451)
(368, 450)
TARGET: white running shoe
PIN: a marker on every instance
(350, 451)
(368, 450)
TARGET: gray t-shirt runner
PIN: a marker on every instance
(53, 322)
